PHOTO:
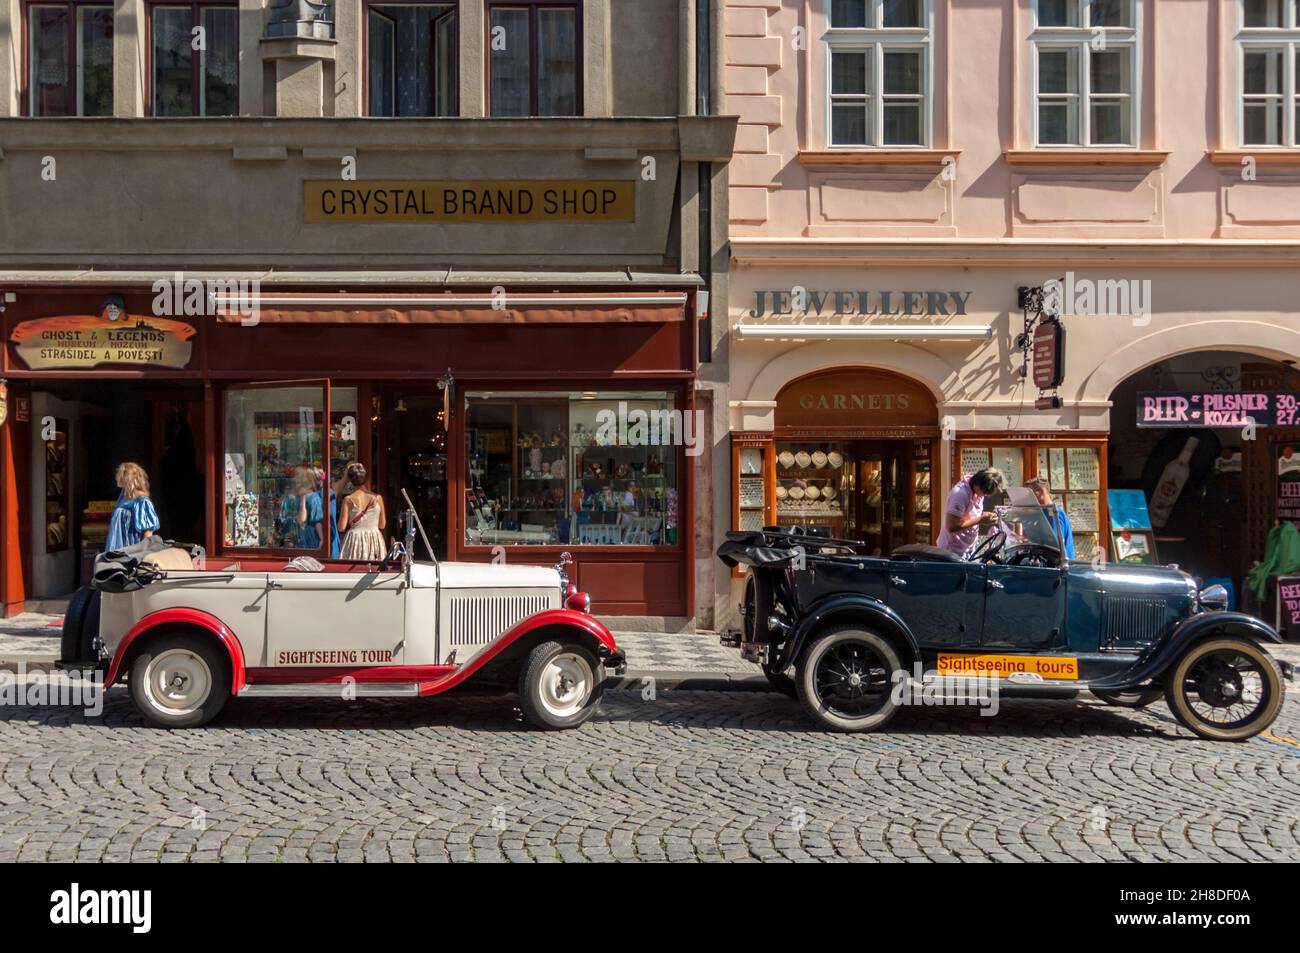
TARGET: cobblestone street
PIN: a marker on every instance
(688, 775)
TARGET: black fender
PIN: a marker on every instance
(847, 607)
(1197, 628)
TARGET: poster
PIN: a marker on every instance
(1128, 510)
(1288, 485)
(1288, 607)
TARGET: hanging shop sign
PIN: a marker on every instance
(83, 341)
(483, 201)
(1218, 409)
(1048, 350)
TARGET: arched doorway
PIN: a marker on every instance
(1210, 489)
(855, 456)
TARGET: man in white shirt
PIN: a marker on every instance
(964, 513)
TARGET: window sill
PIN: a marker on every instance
(1263, 155)
(855, 157)
(1115, 157)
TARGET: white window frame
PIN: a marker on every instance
(1087, 39)
(1285, 39)
(875, 39)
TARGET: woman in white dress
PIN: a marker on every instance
(362, 520)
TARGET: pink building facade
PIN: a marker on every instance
(904, 168)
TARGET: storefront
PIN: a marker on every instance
(524, 421)
(884, 385)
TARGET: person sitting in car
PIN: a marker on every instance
(1043, 493)
(963, 515)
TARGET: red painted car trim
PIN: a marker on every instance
(181, 616)
(328, 675)
(564, 618)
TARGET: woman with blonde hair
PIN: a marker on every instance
(134, 518)
(362, 518)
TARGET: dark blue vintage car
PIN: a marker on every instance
(839, 629)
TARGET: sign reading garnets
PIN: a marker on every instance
(1218, 409)
(483, 201)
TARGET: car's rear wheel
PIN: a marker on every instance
(845, 679)
(560, 685)
(1136, 698)
(180, 681)
(1225, 689)
(79, 643)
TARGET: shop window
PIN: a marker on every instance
(70, 59)
(195, 54)
(275, 451)
(411, 59)
(581, 469)
(1085, 69)
(879, 73)
(1269, 56)
(535, 64)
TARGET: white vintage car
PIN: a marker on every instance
(188, 640)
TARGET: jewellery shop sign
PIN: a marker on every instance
(82, 341)
(1218, 409)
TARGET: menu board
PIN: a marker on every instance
(1288, 485)
(1218, 409)
(1288, 607)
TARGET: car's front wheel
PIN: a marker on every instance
(560, 685)
(180, 681)
(1225, 689)
(846, 677)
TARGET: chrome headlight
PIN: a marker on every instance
(1213, 598)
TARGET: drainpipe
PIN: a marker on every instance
(704, 107)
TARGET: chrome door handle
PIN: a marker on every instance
(994, 584)
(897, 581)
(272, 584)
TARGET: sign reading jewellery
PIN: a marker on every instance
(865, 304)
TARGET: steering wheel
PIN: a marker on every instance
(1032, 554)
(987, 551)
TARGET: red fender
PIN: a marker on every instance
(567, 618)
(190, 617)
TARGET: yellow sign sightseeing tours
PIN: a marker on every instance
(483, 201)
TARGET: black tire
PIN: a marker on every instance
(79, 643)
(1135, 698)
(780, 681)
(1204, 672)
(184, 656)
(827, 695)
(543, 693)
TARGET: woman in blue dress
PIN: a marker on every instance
(134, 518)
(311, 514)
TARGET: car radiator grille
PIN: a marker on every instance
(1132, 621)
(477, 620)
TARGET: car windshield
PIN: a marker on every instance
(1027, 524)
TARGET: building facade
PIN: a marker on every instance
(461, 242)
(904, 169)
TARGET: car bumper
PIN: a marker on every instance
(615, 663)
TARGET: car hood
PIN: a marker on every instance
(497, 576)
(1156, 580)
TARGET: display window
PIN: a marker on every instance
(1075, 469)
(574, 469)
(277, 447)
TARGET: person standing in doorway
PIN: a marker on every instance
(311, 512)
(963, 515)
(363, 520)
(1043, 493)
(134, 518)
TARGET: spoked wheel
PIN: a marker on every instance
(846, 678)
(560, 685)
(1225, 690)
(180, 681)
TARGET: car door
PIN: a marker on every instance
(1024, 607)
(939, 601)
(335, 619)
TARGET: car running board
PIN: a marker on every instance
(334, 690)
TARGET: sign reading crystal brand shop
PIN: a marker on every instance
(483, 201)
(1218, 409)
(864, 304)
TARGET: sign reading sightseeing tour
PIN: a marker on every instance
(1218, 409)
(111, 337)
(484, 201)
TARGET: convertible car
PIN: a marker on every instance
(188, 640)
(838, 629)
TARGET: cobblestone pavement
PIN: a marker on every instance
(687, 775)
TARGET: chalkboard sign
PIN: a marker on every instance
(1288, 607)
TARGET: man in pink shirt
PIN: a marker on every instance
(964, 513)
